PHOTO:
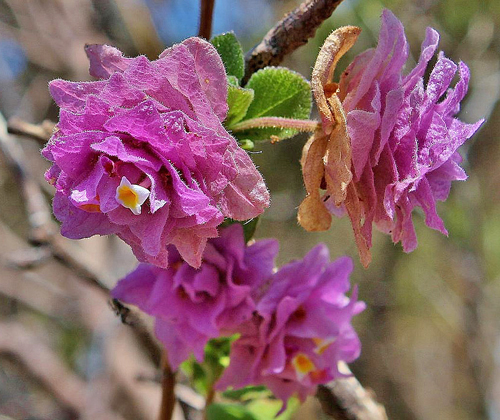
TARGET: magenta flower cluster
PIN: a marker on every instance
(190, 305)
(142, 153)
(294, 325)
(403, 131)
(300, 331)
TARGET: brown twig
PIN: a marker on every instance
(130, 316)
(44, 365)
(287, 35)
(346, 399)
(39, 219)
(168, 390)
(39, 132)
(206, 14)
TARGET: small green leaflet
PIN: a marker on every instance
(247, 393)
(228, 412)
(238, 100)
(259, 409)
(270, 92)
(278, 92)
(230, 50)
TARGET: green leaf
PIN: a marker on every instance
(249, 228)
(247, 393)
(204, 375)
(228, 412)
(265, 408)
(246, 144)
(233, 81)
(278, 92)
(238, 99)
(231, 53)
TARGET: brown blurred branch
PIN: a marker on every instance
(131, 316)
(44, 365)
(346, 399)
(206, 16)
(167, 385)
(54, 291)
(53, 33)
(39, 132)
(39, 215)
(293, 31)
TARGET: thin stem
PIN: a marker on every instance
(40, 132)
(209, 400)
(167, 386)
(206, 14)
(278, 122)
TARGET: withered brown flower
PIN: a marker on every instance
(326, 157)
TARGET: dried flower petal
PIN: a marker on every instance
(312, 214)
(326, 158)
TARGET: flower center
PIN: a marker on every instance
(131, 196)
(303, 365)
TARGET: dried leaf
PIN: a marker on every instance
(334, 47)
(313, 215)
(327, 154)
(337, 157)
(355, 212)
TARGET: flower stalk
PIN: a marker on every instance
(209, 400)
(167, 386)
(276, 122)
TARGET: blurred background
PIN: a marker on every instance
(431, 330)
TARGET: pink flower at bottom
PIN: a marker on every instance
(191, 305)
(300, 331)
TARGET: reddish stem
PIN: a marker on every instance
(168, 394)
(206, 14)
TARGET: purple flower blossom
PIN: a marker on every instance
(401, 133)
(300, 331)
(142, 153)
(191, 305)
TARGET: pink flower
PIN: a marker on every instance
(142, 153)
(300, 331)
(393, 137)
(190, 305)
